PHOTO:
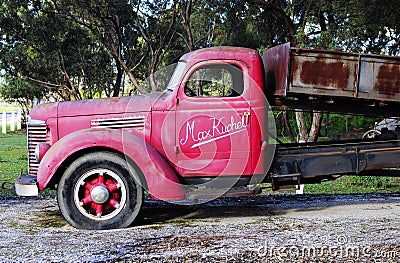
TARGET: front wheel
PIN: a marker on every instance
(100, 191)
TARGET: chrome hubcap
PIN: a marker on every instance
(100, 194)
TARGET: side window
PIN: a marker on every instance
(220, 80)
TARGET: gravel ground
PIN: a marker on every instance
(276, 228)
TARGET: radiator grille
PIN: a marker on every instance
(136, 122)
(37, 133)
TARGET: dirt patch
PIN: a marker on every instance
(340, 228)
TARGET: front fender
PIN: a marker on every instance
(162, 181)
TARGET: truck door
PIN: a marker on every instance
(213, 121)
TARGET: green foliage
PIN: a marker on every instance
(339, 126)
(49, 52)
(78, 49)
(21, 91)
(359, 26)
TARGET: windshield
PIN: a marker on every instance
(177, 75)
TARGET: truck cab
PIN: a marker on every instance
(217, 108)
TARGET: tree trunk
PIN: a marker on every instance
(74, 92)
(188, 13)
(315, 127)
(316, 121)
(153, 83)
(118, 82)
(127, 70)
(301, 124)
(285, 118)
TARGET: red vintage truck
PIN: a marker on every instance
(210, 133)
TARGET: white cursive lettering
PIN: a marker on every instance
(218, 131)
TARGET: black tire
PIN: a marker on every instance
(82, 192)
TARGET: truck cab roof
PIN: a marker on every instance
(223, 52)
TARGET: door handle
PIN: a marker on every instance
(246, 117)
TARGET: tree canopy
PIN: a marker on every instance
(78, 49)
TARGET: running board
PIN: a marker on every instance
(209, 193)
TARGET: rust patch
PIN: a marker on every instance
(295, 68)
(325, 75)
(388, 79)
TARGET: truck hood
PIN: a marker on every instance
(44, 111)
(139, 103)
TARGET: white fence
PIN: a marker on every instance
(12, 119)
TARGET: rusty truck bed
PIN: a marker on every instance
(325, 77)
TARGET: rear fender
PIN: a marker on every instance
(162, 181)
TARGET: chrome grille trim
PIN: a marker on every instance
(37, 133)
(136, 122)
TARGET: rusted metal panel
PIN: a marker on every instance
(276, 68)
(380, 78)
(321, 73)
(294, 71)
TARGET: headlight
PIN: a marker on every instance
(40, 151)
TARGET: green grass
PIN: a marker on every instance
(356, 185)
(13, 155)
(348, 185)
(8, 129)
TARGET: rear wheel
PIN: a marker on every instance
(100, 191)
(371, 134)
